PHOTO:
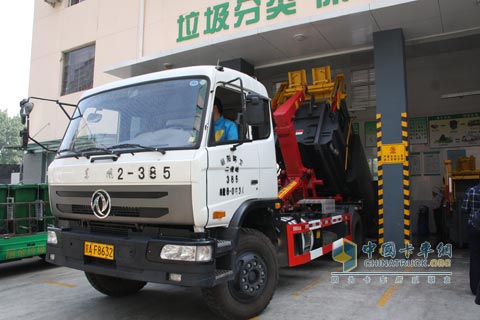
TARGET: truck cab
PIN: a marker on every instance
(145, 189)
(151, 141)
(143, 192)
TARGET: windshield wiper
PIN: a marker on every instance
(136, 145)
(87, 152)
(75, 153)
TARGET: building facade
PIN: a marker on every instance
(79, 44)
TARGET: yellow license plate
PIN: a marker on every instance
(99, 250)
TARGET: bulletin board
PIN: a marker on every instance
(418, 130)
(370, 134)
(431, 163)
(415, 162)
(458, 130)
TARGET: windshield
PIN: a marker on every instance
(165, 114)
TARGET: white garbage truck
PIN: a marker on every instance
(142, 190)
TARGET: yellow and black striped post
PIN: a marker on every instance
(381, 230)
(406, 181)
(391, 101)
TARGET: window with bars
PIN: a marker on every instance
(363, 89)
(78, 69)
(363, 96)
(74, 2)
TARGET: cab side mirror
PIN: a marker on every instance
(26, 108)
(255, 109)
(24, 135)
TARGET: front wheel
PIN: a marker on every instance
(112, 286)
(256, 277)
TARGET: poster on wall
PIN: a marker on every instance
(370, 134)
(457, 130)
(415, 164)
(418, 130)
(431, 163)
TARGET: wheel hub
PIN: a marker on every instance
(252, 274)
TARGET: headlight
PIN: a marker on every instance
(52, 237)
(204, 253)
(186, 253)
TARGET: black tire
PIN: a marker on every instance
(112, 286)
(256, 278)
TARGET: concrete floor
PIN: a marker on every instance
(31, 289)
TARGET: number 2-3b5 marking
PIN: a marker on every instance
(150, 172)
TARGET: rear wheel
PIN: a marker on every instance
(256, 277)
(112, 286)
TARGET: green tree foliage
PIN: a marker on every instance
(10, 137)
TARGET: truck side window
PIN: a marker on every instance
(227, 107)
(262, 131)
(232, 112)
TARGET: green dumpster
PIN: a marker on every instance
(23, 246)
(43, 196)
(24, 197)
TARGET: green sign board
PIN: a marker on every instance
(418, 130)
(370, 134)
(454, 130)
(244, 12)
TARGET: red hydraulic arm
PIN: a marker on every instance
(286, 135)
(297, 176)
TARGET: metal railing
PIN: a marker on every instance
(24, 218)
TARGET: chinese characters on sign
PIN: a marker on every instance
(439, 258)
(245, 12)
(388, 250)
(393, 153)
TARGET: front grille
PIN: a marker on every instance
(113, 194)
(153, 204)
(136, 212)
(125, 212)
(110, 229)
(76, 209)
(115, 211)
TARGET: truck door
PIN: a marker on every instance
(233, 168)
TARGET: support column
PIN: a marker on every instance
(390, 78)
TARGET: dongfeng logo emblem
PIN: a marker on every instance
(101, 204)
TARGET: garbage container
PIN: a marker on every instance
(24, 196)
(47, 212)
(3, 208)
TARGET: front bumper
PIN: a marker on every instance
(136, 258)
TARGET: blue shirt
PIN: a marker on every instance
(225, 130)
(471, 202)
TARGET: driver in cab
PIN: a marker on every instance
(225, 130)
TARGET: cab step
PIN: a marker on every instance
(223, 276)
